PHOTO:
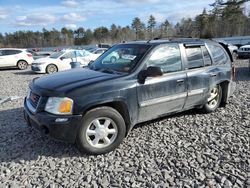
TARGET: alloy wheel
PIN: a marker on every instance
(101, 132)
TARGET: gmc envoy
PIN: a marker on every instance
(97, 106)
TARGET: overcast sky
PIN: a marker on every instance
(36, 14)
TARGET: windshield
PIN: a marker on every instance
(56, 55)
(120, 58)
(86, 53)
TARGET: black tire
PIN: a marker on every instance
(208, 107)
(22, 65)
(113, 59)
(84, 142)
(51, 68)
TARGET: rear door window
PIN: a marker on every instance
(219, 55)
(194, 57)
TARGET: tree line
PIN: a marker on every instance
(225, 19)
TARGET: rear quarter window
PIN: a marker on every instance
(194, 57)
(219, 55)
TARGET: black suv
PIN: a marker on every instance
(96, 106)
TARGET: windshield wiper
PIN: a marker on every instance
(108, 70)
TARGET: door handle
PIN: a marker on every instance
(180, 81)
(213, 75)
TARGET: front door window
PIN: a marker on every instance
(167, 57)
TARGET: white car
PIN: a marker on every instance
(60, 61)
(88, 57)
(99, 51)
(14, 57)
(244, 51)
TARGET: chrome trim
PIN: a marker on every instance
(30, 107)
(162, 99)
(196, 92)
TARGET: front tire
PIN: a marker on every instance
(51, 68)
(22, 65)
(214, 100)
(102, 130)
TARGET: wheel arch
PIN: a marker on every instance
(21, 60)
(118, 105)
(51, 64)
(225, 92)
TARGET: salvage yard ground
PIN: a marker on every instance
(191, 148)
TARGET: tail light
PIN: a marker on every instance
(29, 55)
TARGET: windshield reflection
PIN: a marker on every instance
(120, 58)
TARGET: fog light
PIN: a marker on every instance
(59, 120)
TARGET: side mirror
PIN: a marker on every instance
(154, 71)
(62, 58)
(150, 72)
(91, 62)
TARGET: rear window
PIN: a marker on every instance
(11, 52)
(219, 55)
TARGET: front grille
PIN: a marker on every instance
(34, 99)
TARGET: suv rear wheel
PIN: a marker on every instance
(101, 131)
(214, 100)
(22, 65)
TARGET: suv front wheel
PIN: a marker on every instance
(101, 131)
(214, 100)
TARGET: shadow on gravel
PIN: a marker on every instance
(242, 74)
(18, 142)
(8, 68)
(28, 72)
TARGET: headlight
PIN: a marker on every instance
(59, 106)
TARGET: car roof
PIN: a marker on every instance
(13, 49)
(173, 40)
(71, 50)
(245, 46)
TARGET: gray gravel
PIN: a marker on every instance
(185, 150)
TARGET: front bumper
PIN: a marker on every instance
(38, 68)
(46, 123)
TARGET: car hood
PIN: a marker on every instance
(65, 81)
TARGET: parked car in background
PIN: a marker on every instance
(88, 57)
(104, 45)
(232, 48)
(97, 106)
(59, 61)
(98, 51)
(244, 51)
(14, 57)
(41, 54)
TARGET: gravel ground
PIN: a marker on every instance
(185, 150)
